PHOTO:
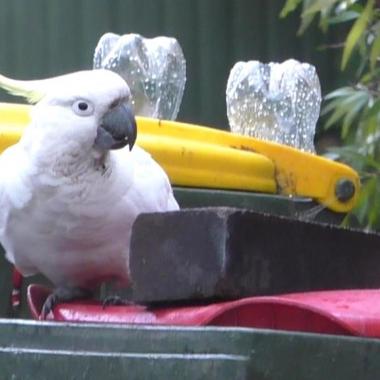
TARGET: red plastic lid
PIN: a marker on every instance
(349, 312)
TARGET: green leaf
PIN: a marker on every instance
(319, 6)
(375, 52)
(330, 106)
(352, 113)
(357, 7)
(344, 17)
(370, 76)
(375, 27)
(374, 210)
(335, 116)
(362, 62)
(324, 18)
(363, 205)
(353, 102)
(310, 9)
(356, 32)
(305, 23)
(374, 110)
(353, 157)
(370, 163)
(343, 91)
(361, 209)
(289, 7)
(369, 127)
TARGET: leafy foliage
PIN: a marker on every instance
(355, 108)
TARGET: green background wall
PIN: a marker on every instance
(40, 38)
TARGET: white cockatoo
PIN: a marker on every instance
(71, 189)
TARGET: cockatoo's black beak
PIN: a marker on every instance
(117, 129)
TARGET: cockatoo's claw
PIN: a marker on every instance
(114, 300)
(63, 294)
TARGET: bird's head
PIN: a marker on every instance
(89, 107)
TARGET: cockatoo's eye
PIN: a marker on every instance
(83, 108)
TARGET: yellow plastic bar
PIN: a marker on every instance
(297, 173)
(205, 157)
(196, 164)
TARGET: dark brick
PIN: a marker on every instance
(228, 253)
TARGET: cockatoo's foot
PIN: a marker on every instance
(63, 294)
(114, 300)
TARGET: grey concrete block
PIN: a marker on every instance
(227, 253)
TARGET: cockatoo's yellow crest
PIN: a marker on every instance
(32, 90)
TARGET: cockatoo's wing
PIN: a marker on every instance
(15, 190)
(151, 190)
(5, 205)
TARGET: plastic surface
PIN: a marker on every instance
(205, 157)
(154, 68)
(33, 350)
(276, 101)
(350, 312)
